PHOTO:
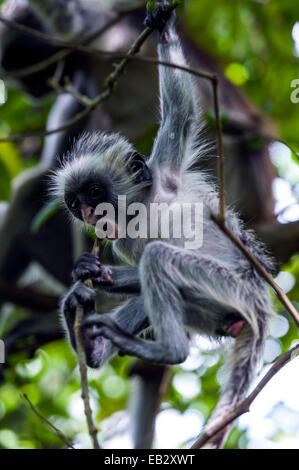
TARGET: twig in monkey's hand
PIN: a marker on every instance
(83, 369)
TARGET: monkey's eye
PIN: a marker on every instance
(136, 166)
(96, 192)
(75, 203)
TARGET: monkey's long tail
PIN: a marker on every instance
(149, 389)
(246, 356)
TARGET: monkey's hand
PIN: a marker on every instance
(97, 350)
(158, 18)
(88, 266)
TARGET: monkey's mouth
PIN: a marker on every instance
(104, 228)
(88, 215)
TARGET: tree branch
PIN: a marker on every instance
(245, 404)
(69, 49)
(260, 269)
(105, 94)
(27, 297)
(57, 41)
(215, 84)
(84, 381)
(51, 426)
(110, 84)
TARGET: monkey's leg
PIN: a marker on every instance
(234, 291)
(163, 303)
(98, 350)
(243, 362)
(166, 271)
(224, 289)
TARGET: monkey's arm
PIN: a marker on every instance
(177, 95)
(111, 279)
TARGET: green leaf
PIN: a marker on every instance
(10, 156)
(90, 231)
(5, 186)
(151, 5)
(46, 212)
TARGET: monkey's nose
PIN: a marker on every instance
(88, 215)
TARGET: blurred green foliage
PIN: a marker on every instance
(253, 40)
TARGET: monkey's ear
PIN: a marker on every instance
(138, 168)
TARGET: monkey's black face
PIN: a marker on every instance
(83, 200)
(83, 194)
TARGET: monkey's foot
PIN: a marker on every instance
(158, 18)
(88, 266)
(127, 343)
(104, 321)
(104, 326)
(79, 296)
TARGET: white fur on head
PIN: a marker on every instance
(97, 153)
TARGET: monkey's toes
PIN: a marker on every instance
(101, 331)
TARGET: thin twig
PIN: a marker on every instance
(43, 133)
(220, 151)
(24, 29)
(38, 67)
(51, 426)
(28, 297)
(260, 269)
(244, 406)
(110, 84)
(82, 364)
(57, 41)
(84, 381)
(67, 88)
(109, 55)
(70, 48)
(103, 97)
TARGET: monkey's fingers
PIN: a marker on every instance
(158, 18)
(87, 266)
(103, 277)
